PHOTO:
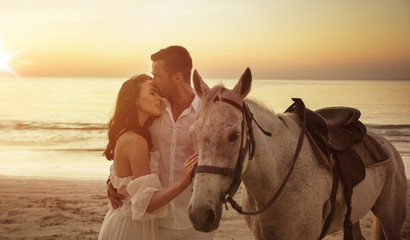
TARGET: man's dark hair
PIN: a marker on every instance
(176, 59)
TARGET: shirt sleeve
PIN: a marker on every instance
(141, 190)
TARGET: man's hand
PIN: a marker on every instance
(114, 197)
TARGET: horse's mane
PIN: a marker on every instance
(261, 105)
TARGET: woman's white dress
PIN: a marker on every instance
(131, 221)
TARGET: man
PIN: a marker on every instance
(171, 69)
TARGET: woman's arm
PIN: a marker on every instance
(140, 162)
(164, 196)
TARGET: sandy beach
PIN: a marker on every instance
(73, 209)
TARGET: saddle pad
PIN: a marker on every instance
(353, 161)
(370, 151)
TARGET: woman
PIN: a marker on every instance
(135, 172)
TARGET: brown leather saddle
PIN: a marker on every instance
(339, 135)
(337, 131)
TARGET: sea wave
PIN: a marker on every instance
(393, 131)
(73, 149)
(48, 125)
(389, 126)
(36, 125)
(401, 131)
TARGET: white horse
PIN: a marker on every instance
(300, 210)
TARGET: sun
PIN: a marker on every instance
(4, 57)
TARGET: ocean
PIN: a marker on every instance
(56, 127)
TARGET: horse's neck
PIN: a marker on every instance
(271, 159)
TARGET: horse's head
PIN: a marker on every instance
(219, 135)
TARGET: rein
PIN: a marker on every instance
(236, 172)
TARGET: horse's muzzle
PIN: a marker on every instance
(205, 218)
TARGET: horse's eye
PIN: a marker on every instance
(233, 136)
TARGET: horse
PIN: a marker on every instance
(221, 139)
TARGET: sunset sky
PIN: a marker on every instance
(361, 39)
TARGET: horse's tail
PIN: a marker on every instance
(377, 230)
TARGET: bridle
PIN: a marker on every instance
(236, 172)
(249, 147)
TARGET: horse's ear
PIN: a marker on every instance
(243, 87)
(201, 88)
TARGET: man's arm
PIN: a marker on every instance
(114, 197)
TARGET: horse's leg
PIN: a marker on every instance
(390, 207)
(390, 222)
(357, 232)
(377, 230)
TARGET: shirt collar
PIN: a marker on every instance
(195, 104)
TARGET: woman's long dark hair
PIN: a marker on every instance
(125, 116)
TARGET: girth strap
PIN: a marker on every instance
(329, 218)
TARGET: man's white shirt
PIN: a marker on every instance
(175, 145)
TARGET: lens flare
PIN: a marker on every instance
(4, 58)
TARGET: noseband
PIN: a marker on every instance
(236, 172)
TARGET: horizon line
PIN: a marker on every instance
(258, 78)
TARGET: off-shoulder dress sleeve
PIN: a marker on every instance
(141, 190)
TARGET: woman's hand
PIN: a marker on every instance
(189, 167)
(165, 195)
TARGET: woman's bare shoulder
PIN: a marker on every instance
(133, 139)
